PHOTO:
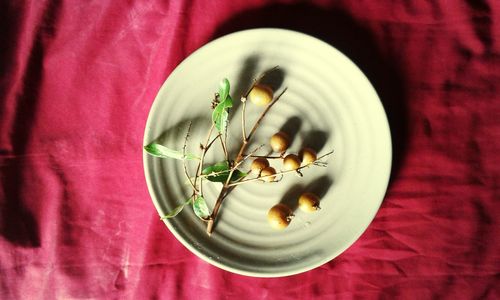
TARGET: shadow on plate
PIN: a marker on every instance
(347, 34)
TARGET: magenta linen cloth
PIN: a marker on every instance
(77, 80)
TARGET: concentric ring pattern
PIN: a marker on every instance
(329, 102)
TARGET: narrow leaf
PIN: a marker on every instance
(200, 208)
(220, 166)
(223, 89)
(237, 174)
(164, 152)
(221, 171)
(174, 212)
(220, 113)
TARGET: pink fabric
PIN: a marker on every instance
(78, 79)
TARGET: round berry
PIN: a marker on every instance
(279, 142)
(291, 162)
(259, 164)
(279, 216)
(261, 95)
(307, 156)
(309, 202)
(266, 173)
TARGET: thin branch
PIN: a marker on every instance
(224, 147)
(256, 125)
(258, 79)
(324, 155)
(239, 159)
(202, 157)
(225, 141)
(268, 157)
(212, 142)
(184, 155)
(316, 162)
(243, 120)
(224, 192)
(234, 167)
(247, 156)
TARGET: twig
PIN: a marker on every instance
(316, 162)
(224, 191)
(212, 141)
(239, 158)
(244, 100)
(211, 174)
(202, 157)
(243, 119)
(324, 155)
(256, 125)
(268, 157)
(258, 79)
(224, 147)
(184, 161)
(236, 165)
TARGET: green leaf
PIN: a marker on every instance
(223, 89)
(200, 208)
(221, 171)
(220, 113)
(174, 212)
(164, 152)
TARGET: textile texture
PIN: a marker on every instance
(78, 78)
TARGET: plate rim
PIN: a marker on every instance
(333, 254)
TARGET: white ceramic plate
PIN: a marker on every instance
(329, 102)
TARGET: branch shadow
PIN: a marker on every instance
(343, 32)
(244, 81)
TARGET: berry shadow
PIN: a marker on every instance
(174, 137)
(319, 186)
(244, 81)
(249, 71)
(274, 79)
(315, 139)
(291, 197)
(291, 128)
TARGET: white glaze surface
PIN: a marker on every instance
(328, 94)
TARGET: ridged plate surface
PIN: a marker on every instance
(330, 105)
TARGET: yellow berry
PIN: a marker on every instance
(309, 202)
(307, 156)
(291, 162)
(259, 164)
(261, 95)
(279, 142)
(268, 172)
(279, 216)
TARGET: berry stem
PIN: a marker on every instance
(256, 125)
(316, 162)
(184, 164)
(204, 150)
